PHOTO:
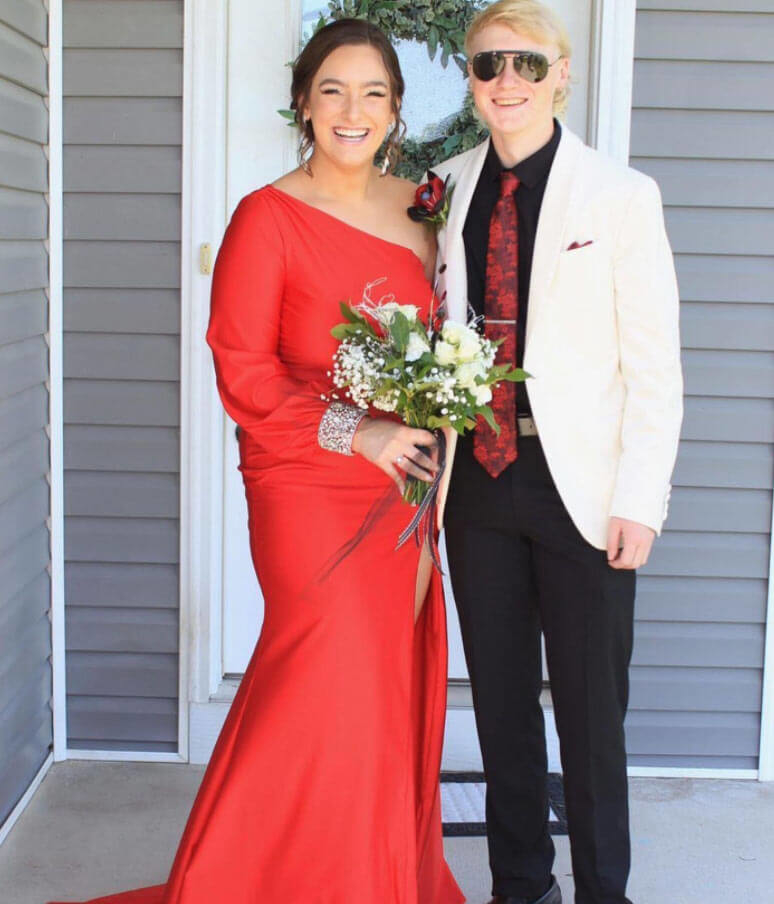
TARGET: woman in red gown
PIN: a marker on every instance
(323, 785)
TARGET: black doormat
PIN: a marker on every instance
(463, 804)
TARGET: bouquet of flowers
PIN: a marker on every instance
(433, 375)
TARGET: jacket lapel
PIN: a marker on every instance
(456, 276)
(561, 190)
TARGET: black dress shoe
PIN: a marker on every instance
(552, 896)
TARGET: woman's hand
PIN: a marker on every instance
(393, 448)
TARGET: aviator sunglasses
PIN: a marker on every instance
(529, 64)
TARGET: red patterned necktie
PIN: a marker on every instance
(501, 306)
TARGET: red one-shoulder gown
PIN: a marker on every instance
(323, 786)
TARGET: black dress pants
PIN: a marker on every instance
(518, 565)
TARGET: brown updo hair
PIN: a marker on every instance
(319, 47)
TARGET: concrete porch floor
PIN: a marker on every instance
(98, 827)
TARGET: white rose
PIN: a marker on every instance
(452, 331)
(482, 394)
(467, 372)
(417, 346)
(445, 352)
(468, 341)
(470, 346)
(385, 312)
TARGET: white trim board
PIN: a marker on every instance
(201, 419)
(766, 752)
(688, 772)
(140, 756)
(205, 205)
(21, 806)
(610, 103)
(55, 380)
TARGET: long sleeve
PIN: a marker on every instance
(258, 391)
(647, 308)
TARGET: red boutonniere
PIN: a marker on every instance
(431, 201)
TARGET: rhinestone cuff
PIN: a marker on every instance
(337, 427)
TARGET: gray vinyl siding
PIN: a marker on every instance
(25, 585)
(122, 179)
(703, 127)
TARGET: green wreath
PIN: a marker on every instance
(437, 23)
(441, 25)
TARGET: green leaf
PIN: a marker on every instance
(516, 376)
(340, 331)
(287, 114)
(399, 330)
(451, 144)
(488, 415)
(432, 41)
(349, 314)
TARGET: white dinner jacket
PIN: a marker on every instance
(602, 333)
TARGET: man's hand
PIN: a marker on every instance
(628, 543)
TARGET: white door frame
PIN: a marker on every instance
(201, 415)
(56, 377)
(612, 71)
(204, 696)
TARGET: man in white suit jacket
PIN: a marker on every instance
(553, 541)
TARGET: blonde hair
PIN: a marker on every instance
(532, 18)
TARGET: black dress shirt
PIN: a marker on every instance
(532, 173)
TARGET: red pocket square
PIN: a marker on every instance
(579, 245)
